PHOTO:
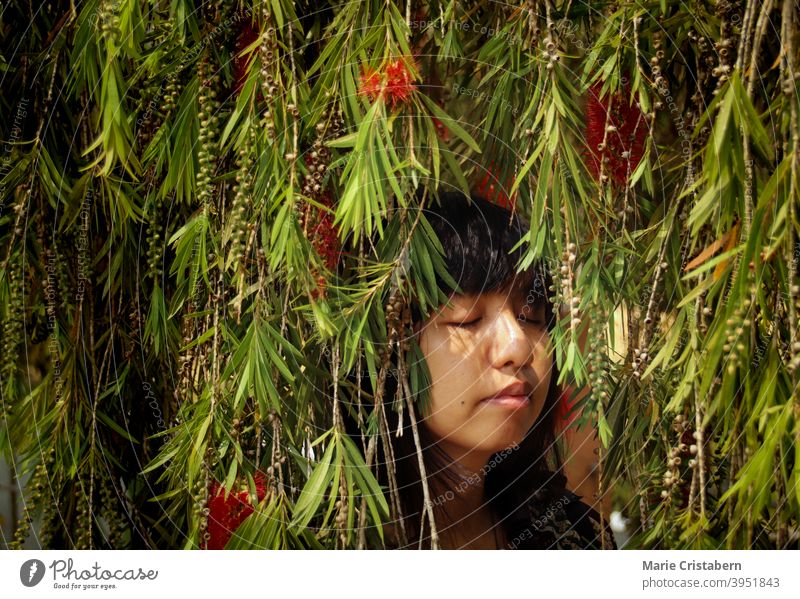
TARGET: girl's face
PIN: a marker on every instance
(474, 350)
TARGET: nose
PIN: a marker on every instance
(509, 343)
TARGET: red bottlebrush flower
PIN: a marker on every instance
(370, 83)
(399, 83)
(395, 83)
(323, 234)
(625, 138)
(319, 291)
(490, 189)
(247, 36)
(227, 513)
(326, 241)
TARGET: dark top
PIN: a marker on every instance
(552, 518)
(557, 519)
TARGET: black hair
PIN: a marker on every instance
(477, 237)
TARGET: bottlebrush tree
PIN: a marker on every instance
(207, 208)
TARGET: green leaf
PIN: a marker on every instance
(313, 492)
(451, 123)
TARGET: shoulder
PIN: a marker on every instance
(558, 519)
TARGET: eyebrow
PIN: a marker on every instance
(454, 305)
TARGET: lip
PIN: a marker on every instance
(516, 395)
(509, 401)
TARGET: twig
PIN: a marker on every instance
(423, 475)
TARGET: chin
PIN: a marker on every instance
(501, 443)
(509, 433)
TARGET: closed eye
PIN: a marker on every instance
(537, 321)
(463, 324)
(538, 317)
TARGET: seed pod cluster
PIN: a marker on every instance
(235, 430)
(563, 293)
(726, 46)
(268, 54)
(659, 81)
(172, 92)
(184, 365)
(598, 355)
(12, 325)
(242, 200)
(218, 9)
(155, 244)
(272, 469)
(247, 436)
(737, 333)
(38, 500)
(317, 159)
(85, 516)
(110, 511)
(640, 361)
(550, 52)
(108, 20)
(342, 508)
(200, 492)
(640, 354)
(794, 345)
(706, 60)
(680, 454)
(533, 9)
(48, 522)
(209, 123)
(149, 98)
(134, 323)
(398, 321)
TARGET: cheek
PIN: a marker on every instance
(445, 357)
(544, 370)
(449, 380)
(447, 373)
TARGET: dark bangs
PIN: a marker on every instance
(477, 237)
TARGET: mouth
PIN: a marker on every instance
(514, 396)
(513, 402)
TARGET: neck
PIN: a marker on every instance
(459, 505)
(463, 495)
